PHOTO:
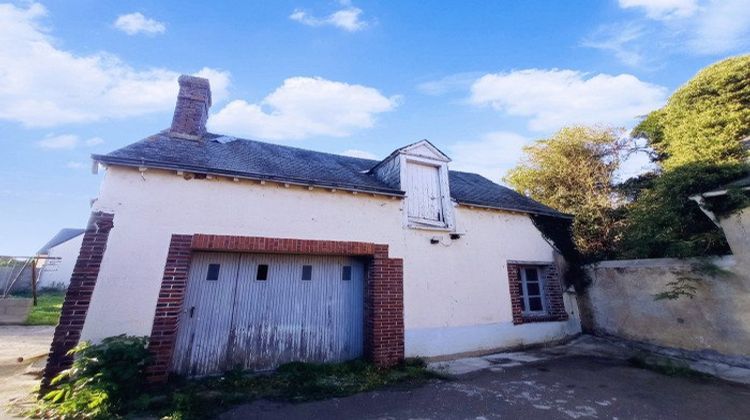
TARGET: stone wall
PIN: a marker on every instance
(716, 321)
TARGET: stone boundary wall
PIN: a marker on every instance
(621, 302)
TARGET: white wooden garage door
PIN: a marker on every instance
(257, 311)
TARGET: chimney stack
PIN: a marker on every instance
(191, 111)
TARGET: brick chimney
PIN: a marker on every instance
(191, 111)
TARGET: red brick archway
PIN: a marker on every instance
(384, 303)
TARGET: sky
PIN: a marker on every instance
(479, 79)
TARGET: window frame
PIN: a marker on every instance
(446, 204)
(524, 292)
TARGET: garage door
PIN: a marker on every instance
(257, 311)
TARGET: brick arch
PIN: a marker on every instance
(384, 304)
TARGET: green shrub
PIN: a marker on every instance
(106, 380)
(664, 222)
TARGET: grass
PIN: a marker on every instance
(293, 382)
(47, 310)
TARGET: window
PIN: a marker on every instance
(213, 272)
(346, 272)
(306, 272)
(424, 194)
(262, 273)
(532, 296)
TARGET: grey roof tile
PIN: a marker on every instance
(254, 159)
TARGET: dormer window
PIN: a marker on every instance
(420, 170)
(424, 200)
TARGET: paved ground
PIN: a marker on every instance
(18, 379)
(587, 379)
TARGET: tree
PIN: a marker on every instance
(573, 172)
(704, 120)
(697, 138)
(664, 222)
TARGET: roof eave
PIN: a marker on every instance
(516, 210)
(142, 163)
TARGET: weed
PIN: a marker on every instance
(665, 366)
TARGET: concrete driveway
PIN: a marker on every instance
(585, 380)
(18, 378)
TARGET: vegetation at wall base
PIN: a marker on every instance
(107, 381)
(665, 366)
(292, 382)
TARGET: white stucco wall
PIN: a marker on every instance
(456, 294)
(736, 229)
(56, 273)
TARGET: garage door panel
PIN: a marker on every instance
(270, 314)
(285, 318)
(202, 339)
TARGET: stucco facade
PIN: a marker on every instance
(456, 292)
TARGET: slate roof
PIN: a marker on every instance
(243, 158)
(64, 235)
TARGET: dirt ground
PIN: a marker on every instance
(18, 379)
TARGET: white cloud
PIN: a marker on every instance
(721, 27)
(663, 9)
(136, 23)
(76, 165)
(491, 156)
(621, 40)
(220, 81)
(58, 142)
(698, 27)
(555, 98)
(303, 107)
(43, 85)
(362, 154)
(346, 18)
(66, 142)
(94, 141)
(451, 83)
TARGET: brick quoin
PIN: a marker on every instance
(384, 303)
(553, 294)
(77, 298)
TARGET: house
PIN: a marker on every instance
(230, 252)
(61, 252)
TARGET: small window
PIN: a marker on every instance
(262, 274)
(346, 273)
(532, 290)
(213, 272)
(306, 272)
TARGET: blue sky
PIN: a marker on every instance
(479, 79)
